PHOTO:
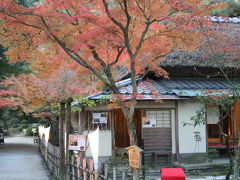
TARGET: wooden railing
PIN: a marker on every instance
(75, 169)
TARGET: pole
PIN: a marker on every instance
(62, 172)
(68, 131)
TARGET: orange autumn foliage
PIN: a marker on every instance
(99, 35)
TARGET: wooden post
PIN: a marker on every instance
(73, 168)
(92, 169)
(82, 120)
(68, 131)
(234, 124)
(84, 166)
(62, 170)
(114, 173)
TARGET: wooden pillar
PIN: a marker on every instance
(68, 125)
(62, 168)
(81, 127)
(235, 133)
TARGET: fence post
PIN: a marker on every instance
(114, 173)
(123, 174)
(73, 167)
(68, 131)
(84, 167)
(62, 167)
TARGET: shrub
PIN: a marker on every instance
(14, 121)
(20, 129)
(30, 132)
(25, 126)
(6, 133)
(15, 126)
(24, 122)
(233, 10)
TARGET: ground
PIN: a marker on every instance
(21, 160)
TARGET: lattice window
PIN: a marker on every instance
(162, 118)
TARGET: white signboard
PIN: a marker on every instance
(147, 122)
(93, 138)
(77, 142)
(100, 118)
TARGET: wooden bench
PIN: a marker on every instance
(155, 154)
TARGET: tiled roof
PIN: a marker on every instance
(175, 88)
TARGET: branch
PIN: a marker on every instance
(117, 58)
(111, 17)
(105, 68)
(11, 14)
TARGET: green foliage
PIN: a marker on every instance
(121, 159)
(233, 10)
(15, 126)
(197, 136)
(14, 121)
(6, 133)
(43, 121)
(213, 153)
(30, 132)
(24, 122)
(9, 69)
(194, 172)
(199, 118)
(25, 126)
(20, 129)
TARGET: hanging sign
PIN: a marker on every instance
(93, 138)
(77, 142)
(100, 118)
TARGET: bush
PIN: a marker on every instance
(6, 133)
(233, 10)
(20, 129)
(30, 132)
(24, 122)
(42, 121)
(14, 121)
(15, 126)
(25, 126)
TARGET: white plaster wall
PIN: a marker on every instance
(187, 144)
(105, 143)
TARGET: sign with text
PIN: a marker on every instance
(134, 153)
(148, 122)
(100, 118)
(77, 142)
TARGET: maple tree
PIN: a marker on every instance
(37, 94)
(101, 35)
(4, 101)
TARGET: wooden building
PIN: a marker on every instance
(160, 126)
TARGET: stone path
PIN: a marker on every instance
(20, 160)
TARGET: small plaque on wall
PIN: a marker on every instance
(147, 122)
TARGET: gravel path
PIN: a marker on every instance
(20, 160)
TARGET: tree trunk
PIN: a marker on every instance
(131, 126)
(237, 163)
(62, 171)
(68, 131)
